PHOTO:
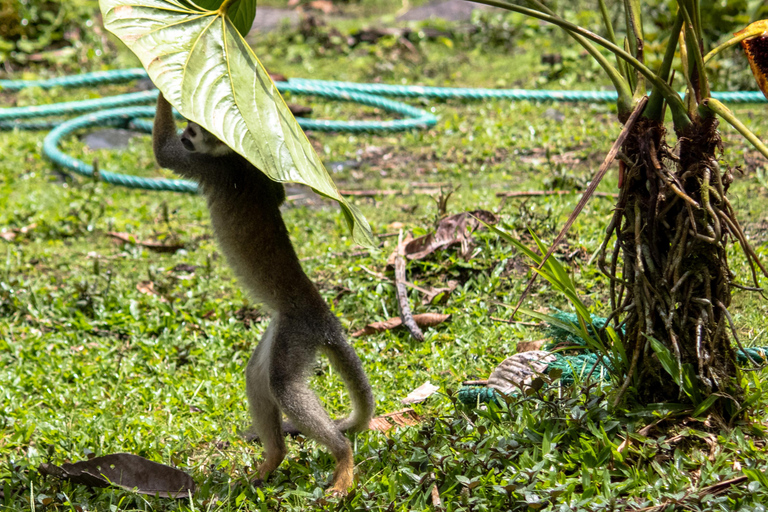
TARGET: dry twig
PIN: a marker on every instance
(402, 293)
(536, 193)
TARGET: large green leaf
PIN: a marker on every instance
(204, 67)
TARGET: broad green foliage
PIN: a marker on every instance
(52, 32)
(200, 61)
(241, 12)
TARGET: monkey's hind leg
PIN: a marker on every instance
(303, 407)
(265, 412)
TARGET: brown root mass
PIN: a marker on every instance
(667, 263)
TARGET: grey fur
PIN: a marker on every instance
(245, 215)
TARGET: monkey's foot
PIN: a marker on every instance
(337, 492)
(343, 478)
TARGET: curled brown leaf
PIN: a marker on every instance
(423, 320)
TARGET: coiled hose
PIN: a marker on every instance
(123, 111)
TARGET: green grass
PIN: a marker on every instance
(89, 364)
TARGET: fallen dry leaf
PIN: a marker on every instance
(439, 293)
(323, 6)
(423, 320)
(519, 370)
(529, 346)
(756, 49)
(403, 418)
(151, 245)
(420, 394)
(127, 471)
(437, 503)
(456, 229)
(147, 287)
(9, 234)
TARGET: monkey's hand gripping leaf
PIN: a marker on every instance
(204, 67)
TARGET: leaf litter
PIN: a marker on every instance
(127, 471)
(423, 320)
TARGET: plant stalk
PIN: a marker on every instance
(674, 100)
(723, 111)
(635, 38)
(620, 64)
(754, 32)
(693, 40)
(222, 10)
(655, 109)
(618, 79)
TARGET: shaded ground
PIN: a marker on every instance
(452, 10)
(271, 18)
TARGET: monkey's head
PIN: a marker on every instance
(197, 139)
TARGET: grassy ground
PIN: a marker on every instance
(109, 347)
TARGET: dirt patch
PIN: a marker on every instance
(271, 18)
(451, 10)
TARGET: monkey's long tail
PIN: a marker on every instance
(344, 359)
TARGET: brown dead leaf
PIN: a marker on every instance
(441, 294)
(420, 394)
(756, 49)
(519, 370)
(127, 471)
(437, 503)
(9, 234)
(528, 346)
(300, 110)
(456, 229)
(147, 287)
(151, 245)
(624, 444)
(323, 6)
(402, 418)
(422, 320)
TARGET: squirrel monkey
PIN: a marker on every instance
(245, 215)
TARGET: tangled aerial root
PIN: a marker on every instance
(668, 268)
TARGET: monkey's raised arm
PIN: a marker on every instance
(169, 152)
(199, 161)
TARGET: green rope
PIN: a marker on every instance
(122, 111)
(582, 366)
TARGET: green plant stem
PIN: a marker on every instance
(620, 64)
(692, 41)
(620, 83)
(733, 41)
(679, 114)
(607, 21)
(723, 111)
(635, 37)
(697, 18)
(634, 28)
(225, 6)
(655, 109)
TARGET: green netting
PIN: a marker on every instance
(586, 365)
